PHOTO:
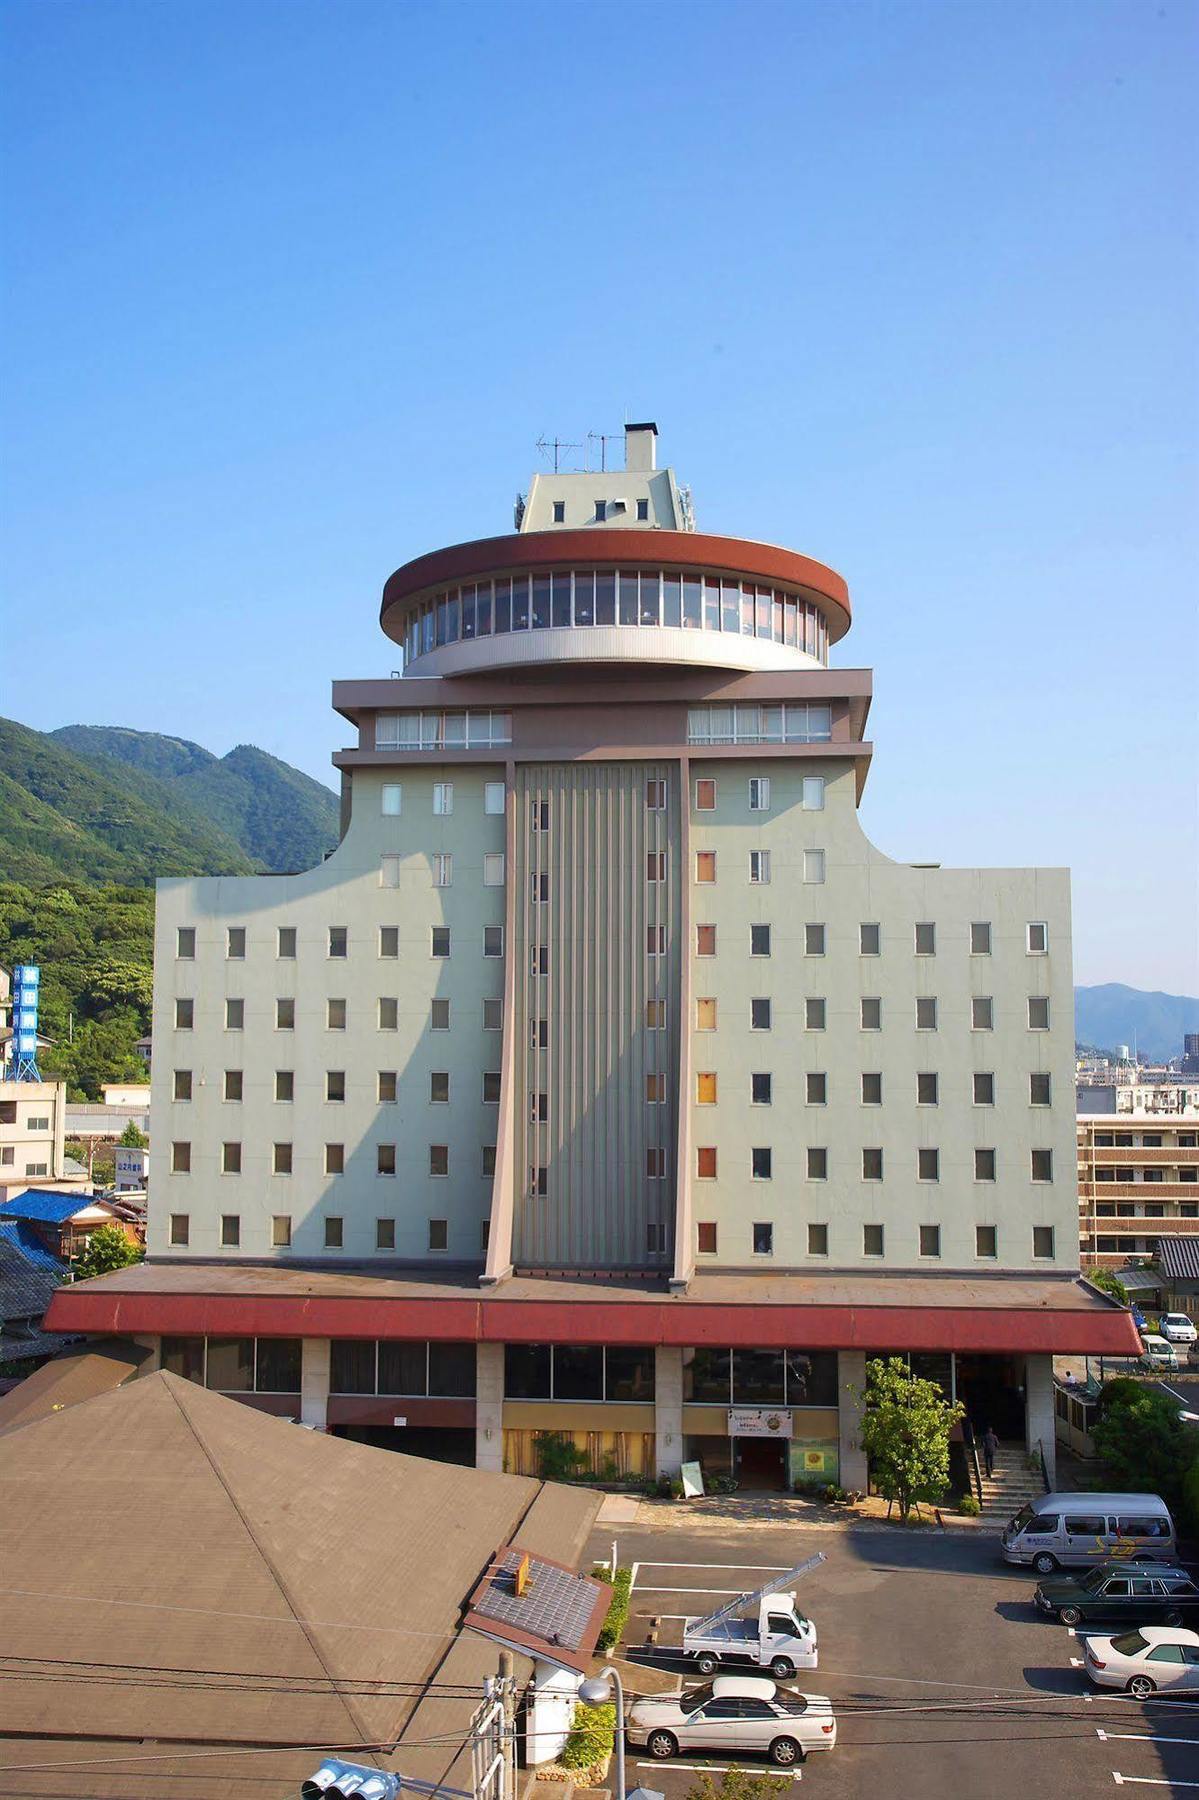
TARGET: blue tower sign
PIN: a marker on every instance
(22, 1050)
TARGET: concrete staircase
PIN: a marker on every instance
(1012, 1484)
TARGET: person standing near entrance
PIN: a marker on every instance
(990, 1449)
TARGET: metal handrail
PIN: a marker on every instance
(1044, 1466)
(978, 1474)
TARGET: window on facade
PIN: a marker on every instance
(439, 1159)
(817, 1239)
(181, 1158)
(385, 1159)
(928, 1164)
(761, 1160)
(655, 940)
(928, 1088)
(231, 1157)
(655, 1163)
(984, 1165)
(285, 1015)
(760, 1088)
(655, 1088)
(281, 1159)
(539, 815)
(493, 868)
(281, 1229)
(984, 1088)
(817, 1162)
(439, 943)
(335, 1159)
(926, 938)
(986, 1241)
(335, 1015)
(230, 1230)
(1038, 1012)
(870, 1013)
(539, 1180)
(389, 1013)
(705, 795)
(759, 1014)
(813, 940)
(235, 1015)
(870, 940)
(655, 1015)
(335, 1084)
(759, 868)
(705, 1237)
(816, 1088)
(982, 1013)
(487, 1163)
(1041, 1165)
(441, 864)
(439, 1087)
(183, 1085)
(980, 938)
(285, 943)
(759, 940)
(491, 1087)
(493, 798)
(930, 1240)
(705, 1013)
(393, 799)
(705, 940)
(389, 871)
(815, 1013)
(339, 941)
(559, 512)
(926, 1012)
(493, 941)
(705, 1162)
(386, 1086)
(180, 1228)
(813, 865)
(812, 793)
(763, 1239)
(872, 1087)
(872, 1164)
(185, 943)
(493, 1014)
(234, 1084)
(759, 793)
(1038, 939)
(872, 1240)
(443, 798)
(385, 1234)
(655, 796)
(655, 1238)
(655, 865)
(705, 866)
(1042, 1240)
(235, 943)
(539, 1108)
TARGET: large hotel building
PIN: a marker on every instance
(606, 1080)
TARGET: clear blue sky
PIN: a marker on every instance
(294, 286)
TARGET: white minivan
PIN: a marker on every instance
(1066, 1531)
(1157, 1352)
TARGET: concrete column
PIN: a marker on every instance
(154, 1360)
(851, 1379)
(314, 1383)
(489, 1406)
(1040, 1420)
(668, 1409)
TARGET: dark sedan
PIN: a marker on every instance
(1115, 1593)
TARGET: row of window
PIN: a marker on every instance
(982, 1011)
(581, 598)
(283, 1158)
(442, 730)
(31, 1121)
(869, 937)
(387, 1013)
(796, 722)
(179, 1232)
(928, 1088)
(1187, 1209)
(813, 865)
(928, 1240)
(1145, 1140)
(928, 1163)
(1144, 1177)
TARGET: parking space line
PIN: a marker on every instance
(1142, 1737)
(720, 1768)
(769, 1568)
(653, 1587)
(1150, 1781)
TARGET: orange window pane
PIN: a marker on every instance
(705, 1087)
(705, 1015)
(705, 796)
(705, 940)
(705, 865)
(705, 1162)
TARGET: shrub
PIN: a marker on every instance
(592, 1735)
(1146, 1447)
(612, 1629)
(739, 1784)
(968, 1507)
(558, 1457)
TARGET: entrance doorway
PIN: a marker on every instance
(761, 1464)
(991, 1390)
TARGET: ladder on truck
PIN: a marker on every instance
(779, 1585)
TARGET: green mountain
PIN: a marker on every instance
(281, 818)
(1152, 1023)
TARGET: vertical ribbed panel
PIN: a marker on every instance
(593, 1143)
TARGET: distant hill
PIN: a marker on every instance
(1152, 1023)
(280, 818)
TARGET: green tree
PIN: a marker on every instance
(738, 1784)
(1110, 1282)
(132, 1138)
(1142, 1440)
(905, 1433)
(108, 1248)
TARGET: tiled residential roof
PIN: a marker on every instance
(1178, 1257)
(47, 1206)
(29, 1273)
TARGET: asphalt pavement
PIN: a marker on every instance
(945, 1680)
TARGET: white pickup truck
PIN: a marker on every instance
(776, 1636)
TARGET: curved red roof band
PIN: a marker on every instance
(609, 548)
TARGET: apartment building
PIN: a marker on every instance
(1138, 1181)
(606, 1080)
(32, 1119)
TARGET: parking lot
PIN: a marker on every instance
(945, 1681)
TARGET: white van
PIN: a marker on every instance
(1064, 1531)
(1158, 1352)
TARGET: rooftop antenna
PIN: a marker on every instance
(603, 439)
(555, 446)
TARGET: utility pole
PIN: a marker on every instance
(493, 1736)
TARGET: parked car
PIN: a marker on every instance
(1158, 1352)
(1156, 1656)
(735, 1713)
(1143, 1593)
(1176, 1328)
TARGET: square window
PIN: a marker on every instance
(393, 799)
(813, 940)
(335, 1085)
(655, 865)
(761, 1088)
(871, 1013)
(655, 1015)
(705, 940)
(1042, 1240)
(285, 943)
(872, 1164)
(980, 938)
(816, 1088)
(439, 1234)
(1042, 1164)
(705, 865)
(439, 1159)
(235, 943)
(813, 865)
(281, 1159)
(984, 1165)
(761, 1162)
(705, 795)
(443, 798)
(493, 1015)
(230, 1230)
(705, 1162)
(493, 941)
(984, 1088)
(181, 1158)
(439, 945)
(1040, 1088)
(870, 940)
(234, 1084)
(759, 1015)
(389, 1013)
(986, 1241)
(338, 940)
(872, 1240)
(493, 798)
(1038, 1012)
(439, 1087)
(817, 1162)
(185, 943)
(817, 1240)
(928, 1165)
(763, 1236)
(387, 1086)
(812, 799)
(872, 1088)
(930, 1240)
(334, 1232)
(982, 1013)
(655, 1163)
(493, 868)
(231, 1158)
(235, 1015)
(705, 1237)
(926, 938)
(442, 867)
(759, 793)
(183, 1085)
(759, 940)
(285, 1015)
(655, 940)
(926, 1012)
(439, 1015)
(815, 1013)
(1038, 939)
(655, 1089)
(335, 1159)
(491, 1087)
(705, 1014)
(180, 1228)
(335, 1015)
(655, 796)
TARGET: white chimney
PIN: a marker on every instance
(641, 447)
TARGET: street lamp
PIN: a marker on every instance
(597, 1690)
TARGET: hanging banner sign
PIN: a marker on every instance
(759, 1421)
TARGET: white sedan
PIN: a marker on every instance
(735, 1713)
(1141, 1661)
(1176, 1328)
